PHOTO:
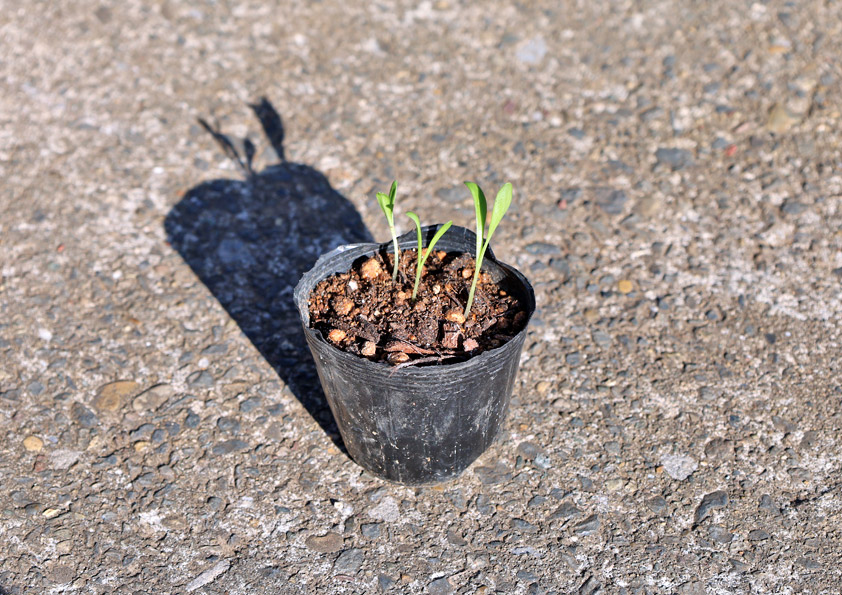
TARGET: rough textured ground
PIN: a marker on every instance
(676, 424)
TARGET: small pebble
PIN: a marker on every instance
(371, 269)
(349, 561)
(397, 357)
(342, 305)
(33, 443)
(454, 315)
(625, 286)
(325, 544)
(336, 335)
(368, 349)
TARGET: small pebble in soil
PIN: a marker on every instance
(371, 269)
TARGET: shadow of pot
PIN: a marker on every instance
(415, 425)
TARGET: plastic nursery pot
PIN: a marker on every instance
(415, 425)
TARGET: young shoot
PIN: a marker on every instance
(501, 205)
(423, 254)
(387, 205)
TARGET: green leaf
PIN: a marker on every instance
(386, 205)
(414, 217)
(436, 238)
(392, 191)
(481, 208)
(418, 261)
(501, 205)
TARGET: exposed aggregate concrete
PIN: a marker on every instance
(676, 421)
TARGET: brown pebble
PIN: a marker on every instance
(342, 305)
(440, 254)
(467, 273)
(397, 357)
(336, 335)
(470, 344)
(454, 315)
(371, 269)
(325, 544)
(369, 349)
(33, 443)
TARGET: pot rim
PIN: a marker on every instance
(307, 284)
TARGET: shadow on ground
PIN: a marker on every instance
(250, 240)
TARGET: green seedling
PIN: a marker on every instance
(501, 205)
(422, 255)
(387, 204)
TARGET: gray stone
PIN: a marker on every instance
(679, 467)
(657, 504)
(528, 450)
(720, 534)
(532, 51)
(83, 416)
(493, 475)
(229, 446)
(349, 561)
(229, 425)
(717, 499)
(142, 432)
(385, 582)
(440, 586)
(767, 504)
(542, 248)
(208, 576)
(524, 526)
(791, 207)
(453, 194)
(456, 539)
(250, 404)
(611, 201)
(201, 379)
(588, 526)
(675, 159)
(386, 510)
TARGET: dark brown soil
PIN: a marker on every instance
(363, 312)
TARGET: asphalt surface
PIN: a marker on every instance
(676, 420)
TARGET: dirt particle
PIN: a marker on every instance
(397, 357)
(371, 269)
(336, 335)
(342, 305)
(454, 315)
(369, 349)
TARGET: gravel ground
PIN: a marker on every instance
(676, 420)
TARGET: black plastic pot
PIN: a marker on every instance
(415, 425)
